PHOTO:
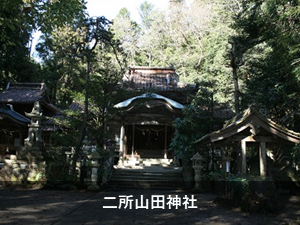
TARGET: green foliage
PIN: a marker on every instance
(250, 195)
(18, 20)
(145, 11)
(195, 123)
(57, 170)
(217, 175)
(127, 32)
(267, 41)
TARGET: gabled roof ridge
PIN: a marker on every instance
(17, 85)
(152, 68)
(246, 118)
(276, 125)
(251, 110)
(24, 93)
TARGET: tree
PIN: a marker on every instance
(128, 33)
(145, 12)
(19, 19)
(195, 41)
(268, 41)
(86, 57)
(15, 30)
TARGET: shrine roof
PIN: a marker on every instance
(250, 126)
(24, 93)
(27, 94)
(128, 102)
(157, 78)
(13, 115)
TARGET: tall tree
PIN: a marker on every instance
(128, 33)
(15, 30)
(19, 19)
(195, 41)
(268, 39)
(87, 63)
(145, 12)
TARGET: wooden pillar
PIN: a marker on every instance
(132, 147)
(262, 159)
(122, 146)
(243, 151)
(166, 143)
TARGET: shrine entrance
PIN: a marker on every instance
(149, 141)
(146, 127)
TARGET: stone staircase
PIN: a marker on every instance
(148, 174)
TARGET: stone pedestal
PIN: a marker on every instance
(30, 162)
(94, 157)
(197, 166)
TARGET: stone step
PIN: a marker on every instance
(146, 177)
(147, 162)
(163, 185)
(152, 177)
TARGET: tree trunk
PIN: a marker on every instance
(235, 66)
(84, 124)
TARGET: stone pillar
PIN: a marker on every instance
(94, 157)
(243, 152)
(197, 166)
(262, 159)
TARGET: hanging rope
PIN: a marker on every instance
(150, 129)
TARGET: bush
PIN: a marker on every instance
(254, 196)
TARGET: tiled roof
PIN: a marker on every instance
(24, 93)
(4, 110)
(141, 78)
(76, 107)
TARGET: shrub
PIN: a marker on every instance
(254, 196)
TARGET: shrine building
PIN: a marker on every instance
(143, 127)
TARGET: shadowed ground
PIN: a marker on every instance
(81, 207)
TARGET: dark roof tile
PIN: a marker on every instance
(24, 93)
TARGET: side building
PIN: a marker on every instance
(15, 101)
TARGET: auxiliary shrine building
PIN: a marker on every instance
(15, 101)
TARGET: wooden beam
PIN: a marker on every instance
(166, 144)
(133, 140)
(238, 138)
(262, 159)
(243, 151)
(122, 146)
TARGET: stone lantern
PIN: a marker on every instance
(94, 157)
(197, 160)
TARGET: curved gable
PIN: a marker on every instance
(13, 115)
(150, 96)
